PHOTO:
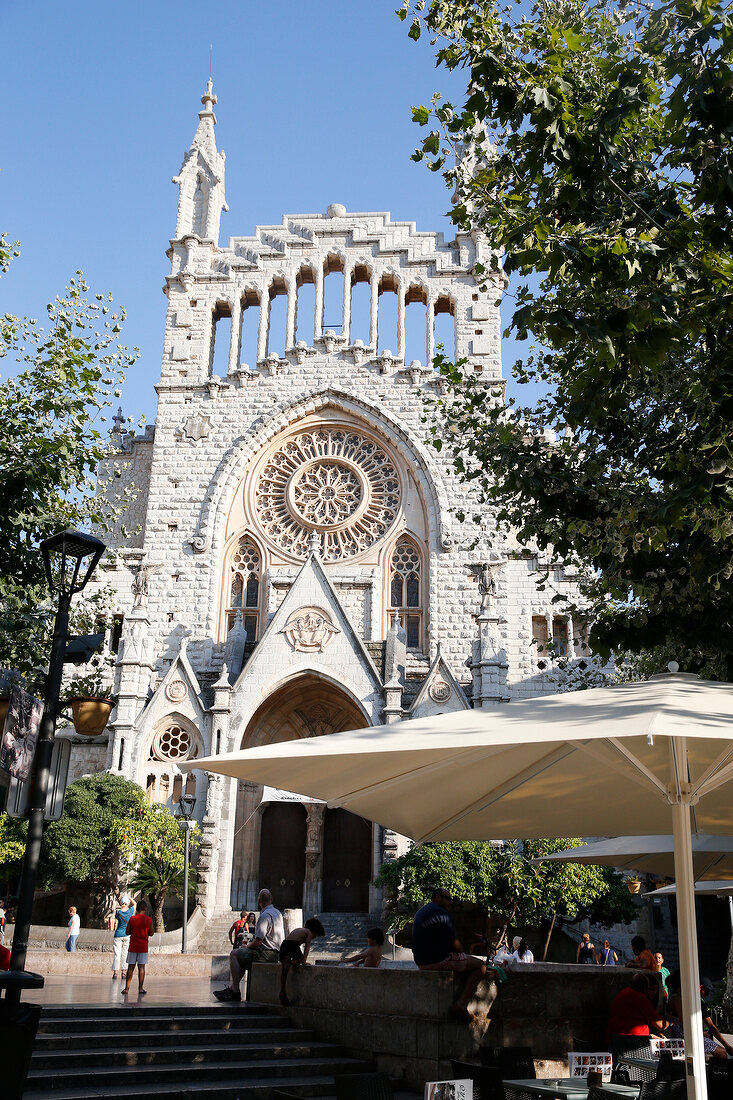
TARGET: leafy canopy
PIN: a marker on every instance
(505, 883)
(595, 150)
(52, 450)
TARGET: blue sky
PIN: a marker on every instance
(101, 101)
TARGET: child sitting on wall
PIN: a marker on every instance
(291, 953)
(372, 956)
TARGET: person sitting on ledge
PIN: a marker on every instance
(265, 947)
(371, 957)
(643, 958)
(634, 1009)
(435, 946)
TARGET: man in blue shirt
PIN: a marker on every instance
(121, 941)
(435, 946)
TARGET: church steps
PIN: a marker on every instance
(142, 1050)
(178, 1051)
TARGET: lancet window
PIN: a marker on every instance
(243, 595)
(405, 589)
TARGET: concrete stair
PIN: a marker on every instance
(179, 1052)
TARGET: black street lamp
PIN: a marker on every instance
(184, 813)
(69, 558)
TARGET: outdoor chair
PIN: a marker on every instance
(626, 1074)
(487, 1084)
(516, 1063)
(363, 1086)
(663, 1090)
(720, 1079)
(630, 1046)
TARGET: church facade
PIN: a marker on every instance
(297, 565)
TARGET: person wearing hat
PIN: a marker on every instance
(712, 1041)
(121, 939)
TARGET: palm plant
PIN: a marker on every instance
(160, 874)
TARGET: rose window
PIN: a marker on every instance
(326, 493)
(172, 742)
(334, 481)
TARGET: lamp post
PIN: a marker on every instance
(184, 814)
(69, 558)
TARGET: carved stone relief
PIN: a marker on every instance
(309, 630)
(439, 691)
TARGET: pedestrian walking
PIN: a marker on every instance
(121, 938)
(73, 929)
(3, 917)
(139, 926)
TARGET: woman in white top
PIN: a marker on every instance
(521, 953)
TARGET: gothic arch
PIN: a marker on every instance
(210, 535)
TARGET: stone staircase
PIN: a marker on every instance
(179, 1052)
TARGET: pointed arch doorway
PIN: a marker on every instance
(320, 860)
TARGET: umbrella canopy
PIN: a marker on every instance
(719, 888)
(642, 756)
(712, 856)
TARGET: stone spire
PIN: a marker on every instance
(201, 178)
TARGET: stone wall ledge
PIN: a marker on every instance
(400, 1017)
(49, 936)
(162, 964)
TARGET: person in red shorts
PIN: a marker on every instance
(634, 1010)
(139, 928)
(4, 957)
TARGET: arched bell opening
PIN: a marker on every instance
(308, 857)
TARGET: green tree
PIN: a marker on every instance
(52, 451)
(107, 830)
(595, 150)
(504, 882)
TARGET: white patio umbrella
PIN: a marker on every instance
(712, 856)
(716, 888)
(600, 762)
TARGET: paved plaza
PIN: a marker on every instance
(87, 989)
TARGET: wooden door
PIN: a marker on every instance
(347, 862)
(282, 853)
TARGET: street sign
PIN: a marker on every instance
(17, 801)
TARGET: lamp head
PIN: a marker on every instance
(70, 558)
(186, 804)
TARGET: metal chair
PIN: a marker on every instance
(720, 1079)
(630, 1046)
(363, 1086)
(486, 1079)
(517, 1063)
(663, 1090)
(624, 1073)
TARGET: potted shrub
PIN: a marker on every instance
(90, 697)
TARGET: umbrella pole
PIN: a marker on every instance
(697, 1088)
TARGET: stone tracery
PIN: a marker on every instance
(331, 479)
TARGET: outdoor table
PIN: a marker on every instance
(568, 1088)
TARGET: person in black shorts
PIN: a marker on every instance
(294, 951)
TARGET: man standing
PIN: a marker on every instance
(121, 940)
(2, 920)
(436, 947)
(265, 947)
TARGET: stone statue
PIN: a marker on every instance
(140, 586)
(487, 587)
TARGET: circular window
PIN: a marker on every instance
(331, 480)
(172, 742)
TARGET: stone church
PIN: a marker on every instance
(297, 565)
